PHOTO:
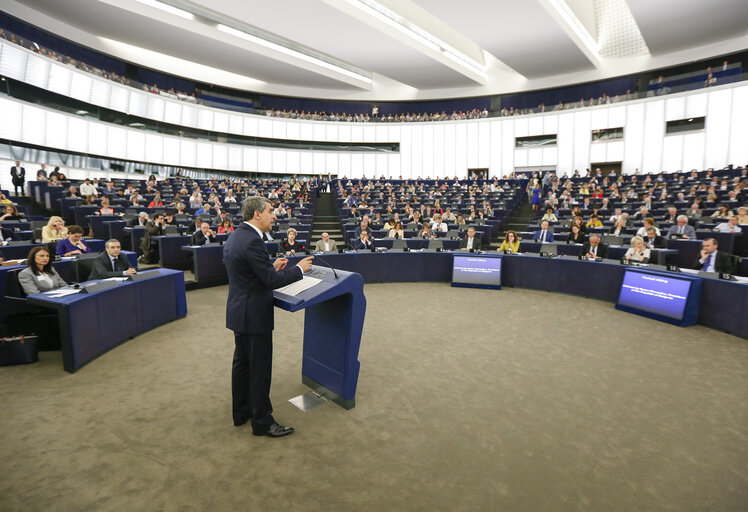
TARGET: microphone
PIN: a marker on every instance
(316, 257)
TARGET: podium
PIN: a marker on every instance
(334, 320)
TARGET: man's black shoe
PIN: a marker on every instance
(274, 430)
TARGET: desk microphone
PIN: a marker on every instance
(327, 265)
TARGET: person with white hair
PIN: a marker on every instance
(681, 229)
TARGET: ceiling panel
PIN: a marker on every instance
(318, 25)
(521, 34)
(121, 25)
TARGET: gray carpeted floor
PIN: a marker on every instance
(467, 400)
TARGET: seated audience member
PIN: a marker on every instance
(326, 244)
(226, 226)
(90, 201)
(672, 215)
(694, 213)
(549, 215)
(156, 202)
(594, 249)
(362, 242)
(363, 226)
(648, 223)
(6, 235)
(222, 215)
(169, 219)
(39, 275)
(54, 230)
(510, 242)
(713, 260)
(731, 226)
(470, 241)
(4, 200)
(140, 220)
(682, 229)
(579, 221)
(147, 245)
(204, 236)
(619, 229)
(426, 232)
(180, 208)
(637, 252)
(72, 193)
(576, 236)
(88, 189)
(438, 224)
(111, 262)
(389, 224)
(11, 213)
(197, 225)
(105, 208)
(41, 174)
(72, 245)
(544, 234)
(594, 221)
(652, 241)
(396, 231)
(723, 212)
(742, 216)
(289, 245)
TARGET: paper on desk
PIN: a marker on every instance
(61, 293)
(688, 270)
(296, 288)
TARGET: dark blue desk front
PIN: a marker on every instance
(91, 324)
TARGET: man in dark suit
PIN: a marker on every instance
(18, 176)
(594, 249)
(544, 234)
(470, 241)
(147, 245)
(652, 241)
(362, 242)
(711, 260)
(249, 313)
(204, 236)
(140, 220)
(6, 235)
(111, 262)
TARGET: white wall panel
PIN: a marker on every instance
(344, 164)
(521, 157)
(438, 150)
(550, 124)
(460, 150)
(80, 87)
(251, 126)
(220, 156)
(718, 128)
(116, 142)
(507, 147)
(307, 131)
(535, 126)
(279, 161)
(293, 131)
(675, 108)
(450, 131)
(472, 146)
(221, 122)
(565, 142)
(693, 151)
(521, 126)
(393, 133)
(370, 134)
(484, 145)
(172, 148)
(205, 119)
(250, 159)
(306, 162)
(416, 154)
(204, 155)
(535, 156)
(382, 164)
(633, 136)
(119, 99)
(672, 153)
(264, 158)
(582, 140)
(138, 105)
(616, 117)
(265, 128)
(615, 151)
(279, 129)
(654, 133)
(319, 163)
(173, 113)
(156, 108)
(154, 147)
(236, 122)
(331, 162)
(370, 165)
(344, 133)
(235, 157)
(78, 134)
(495, 149)
(393, 165)
(61, 76)
(357, 133)
(382, 134)
(57, 131)
(320, 132)
(550, 156)
(13, 62)
(332, 132)
(190, 116)
(739, 127)
(33, 126)
(136, 145)
(598, 152)
(188, 152)
(598, 119)
(37, 71)
(293, 162)
(428, 150)
(357, 165)
(696, 105)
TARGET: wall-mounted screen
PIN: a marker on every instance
(476, 271)
(659, 295)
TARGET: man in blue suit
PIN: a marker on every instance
(249, 313)
(544, 234)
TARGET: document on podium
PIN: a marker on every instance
(296, 288)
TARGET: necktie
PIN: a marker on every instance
(706, 263)
(114, 264)
(594, 251)
(680, 230)
(542, 236)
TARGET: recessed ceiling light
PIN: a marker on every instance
(167, 8)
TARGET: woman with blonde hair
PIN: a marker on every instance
(637, 252)
(54, 230)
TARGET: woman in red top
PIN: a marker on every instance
(105, 209)
(156, 201)
(226, 226)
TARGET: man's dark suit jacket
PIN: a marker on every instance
(723, 263)
(102, 267)
(199, 238)
(359, 244)
(7, 234)
(602, 249)
(252, 279)
(658, 243)
(18, 175)
(476, 243)
(135, 222)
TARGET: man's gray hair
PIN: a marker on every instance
(111, 241)
(142, 215)
(684, 218)
(251, 205)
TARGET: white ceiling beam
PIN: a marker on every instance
(563, 14)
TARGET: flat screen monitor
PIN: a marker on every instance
(662, 296)
(476, 271)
